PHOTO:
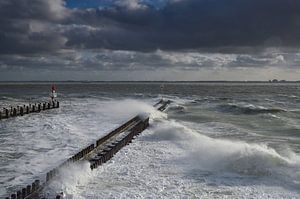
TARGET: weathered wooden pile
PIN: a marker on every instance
(27, 191)
(96, 153)
(27, 109)
(106, 149)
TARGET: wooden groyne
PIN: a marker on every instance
(162, 105)
(96, 153)
(27, 109)
(105, 150)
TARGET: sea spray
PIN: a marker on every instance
(69, 179)
(223, 155)
(130, 108)
(158, 165)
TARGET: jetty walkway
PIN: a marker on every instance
(6, 113)
(96, 153)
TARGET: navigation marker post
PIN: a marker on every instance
(53, 93)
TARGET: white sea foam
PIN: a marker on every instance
(208, 153)
(130, 107)
(169, 160)
(172, 161)
(68, 180)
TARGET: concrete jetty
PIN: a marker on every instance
(96, 153)
(6, 113)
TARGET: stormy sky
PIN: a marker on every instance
(149, 39)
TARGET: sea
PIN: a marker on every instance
(215, 140)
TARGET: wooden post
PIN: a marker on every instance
(21, 111)
(28, 190)
(18, 194)
(13, 196)
(47, 176)
(37, 184)
(23, 193)
(57, 104)
(6, 113)
(51, 174)
(14, 112)
(33, 187)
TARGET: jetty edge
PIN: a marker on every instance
(96, 153)
(6, 113)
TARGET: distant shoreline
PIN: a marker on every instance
(87, 82)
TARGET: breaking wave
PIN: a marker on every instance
(177, 108)
(212, 154)
(248, 109)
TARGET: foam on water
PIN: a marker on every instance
(248, 109)
(172, 161)
(208, 153)
(131, 107)
(206, 157)
(48, 138)
(68, 180)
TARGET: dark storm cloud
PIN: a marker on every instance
(26, 26)
(33, 26)
(189, 24)
(42, 36)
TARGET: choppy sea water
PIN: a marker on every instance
(214, 141)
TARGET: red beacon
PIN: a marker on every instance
(53, 93)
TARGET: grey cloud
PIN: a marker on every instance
(192, 24)
(84, 60)
(53, 10)
(106, 60)
(26, 26)
(182, 35)
(157, 65)
(33, 26)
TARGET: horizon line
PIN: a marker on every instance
(200, 81)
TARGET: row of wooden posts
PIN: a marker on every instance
(78, 156)
(26, 109)
(108, 152)
(29, 190)
(109, 147)
(26, 191)
(164, 105)
(116, 131)
(84, 152)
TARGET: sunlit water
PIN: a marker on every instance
(214, 141)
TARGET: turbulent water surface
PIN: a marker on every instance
(214, 141)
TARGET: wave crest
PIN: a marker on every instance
(207, 153)
(248, 109)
